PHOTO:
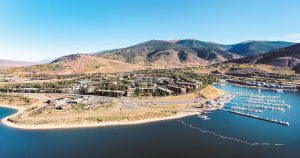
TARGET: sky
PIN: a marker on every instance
(32, 30)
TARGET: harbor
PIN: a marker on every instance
(259, 106)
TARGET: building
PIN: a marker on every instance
(163, 80)
(66, 102)
(130, 92)
(164, 90)
(177, 90)
(189, 84)
(81, 85)
(144, 80)
(110, 93)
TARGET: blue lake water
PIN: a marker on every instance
(165, 138)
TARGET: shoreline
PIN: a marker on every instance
(5, 119)
(6, 122)
(20, 110)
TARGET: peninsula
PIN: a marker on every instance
(112, 99)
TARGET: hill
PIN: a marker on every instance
(251, 48)
(203, 45)
(157, 53)
(285, 57)
(288, 57)
(77, 63)
(188, 52)
(11, 63)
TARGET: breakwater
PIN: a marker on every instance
(226, 137)
(258, 117)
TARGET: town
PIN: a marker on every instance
(131, 85)
(140, 83)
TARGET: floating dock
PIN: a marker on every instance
(257, 117)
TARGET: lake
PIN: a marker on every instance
(221, 136)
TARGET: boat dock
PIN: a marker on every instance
(258, 117)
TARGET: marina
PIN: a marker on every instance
(269, 108)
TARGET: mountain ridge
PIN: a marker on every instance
(250, 48)
(288, 57)
(151, 54)
(154, 50)
(197, 52)
(11, 63)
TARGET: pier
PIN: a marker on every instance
(257, 117)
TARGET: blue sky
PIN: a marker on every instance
(33, 30)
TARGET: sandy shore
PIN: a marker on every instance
(84, 125)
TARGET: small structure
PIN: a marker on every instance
(66, 102)
(130, 92)
(91, 89)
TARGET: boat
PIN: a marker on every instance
(204, 117)
(279, 90)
